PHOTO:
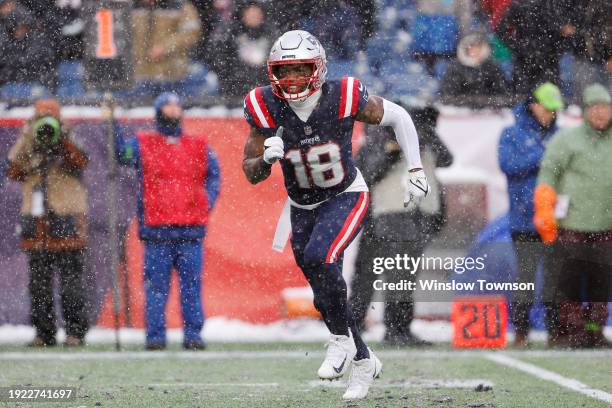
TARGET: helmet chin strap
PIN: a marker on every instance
(303, 108)
(301, 96)
(307, 100)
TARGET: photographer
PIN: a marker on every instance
(49, 164)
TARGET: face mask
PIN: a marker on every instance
(170, 123)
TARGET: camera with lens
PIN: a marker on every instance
(47, 134)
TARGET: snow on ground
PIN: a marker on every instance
(220, 329)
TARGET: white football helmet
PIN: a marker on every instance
(297, 47)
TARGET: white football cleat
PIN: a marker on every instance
(362, 376)
(340, 353)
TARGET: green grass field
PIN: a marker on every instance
(284, 375)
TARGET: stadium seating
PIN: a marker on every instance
(387, 64)
(70, 79)
(437, 34)
(196, 79)
(339, 68)
(23, 91)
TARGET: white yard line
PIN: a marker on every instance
(560, 353)
(551, 376)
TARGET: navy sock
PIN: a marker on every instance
(362, 348)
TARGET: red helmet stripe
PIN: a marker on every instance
(264, 108)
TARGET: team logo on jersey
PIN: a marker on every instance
(307, 130)
(310, 141)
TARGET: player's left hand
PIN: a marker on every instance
(416, 187)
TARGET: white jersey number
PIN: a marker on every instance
(323, 164)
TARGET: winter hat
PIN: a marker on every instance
(594, 94)
(47, 107)
(164, 99)
(165, 125)
(549, 96)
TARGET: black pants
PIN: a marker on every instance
(585, 273)
(69, 264)
(529, 251)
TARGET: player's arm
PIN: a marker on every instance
(379, 111)
(253, 164)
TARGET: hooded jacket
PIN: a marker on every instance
(470, 76)
(520, 151)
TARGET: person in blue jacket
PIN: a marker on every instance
(179, 180)
(521, 149)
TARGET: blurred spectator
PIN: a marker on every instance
(588, 29)
(438, 27)
(179, 185)
(340, 44)
(48, 162)
(295, 14)
(61, 22)
(494, 10)
(72, 27)
(26, 54)
(246, 47)
(207, 13)
(164, 32)
(366, 10)
(490, 12)
(521, 148)
(315, 16)
(388, 223)
(473, 73)
(213, 49)
(532, 31)
(575, 178)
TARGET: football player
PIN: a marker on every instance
(306, 124)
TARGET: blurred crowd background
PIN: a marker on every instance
(462, 52)
(537, 56)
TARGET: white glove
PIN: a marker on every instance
(416, 187)
(274, 147)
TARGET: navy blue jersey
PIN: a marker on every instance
(318, 162)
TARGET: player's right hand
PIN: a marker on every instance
(274, 147)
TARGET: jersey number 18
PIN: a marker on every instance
(321, 165)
